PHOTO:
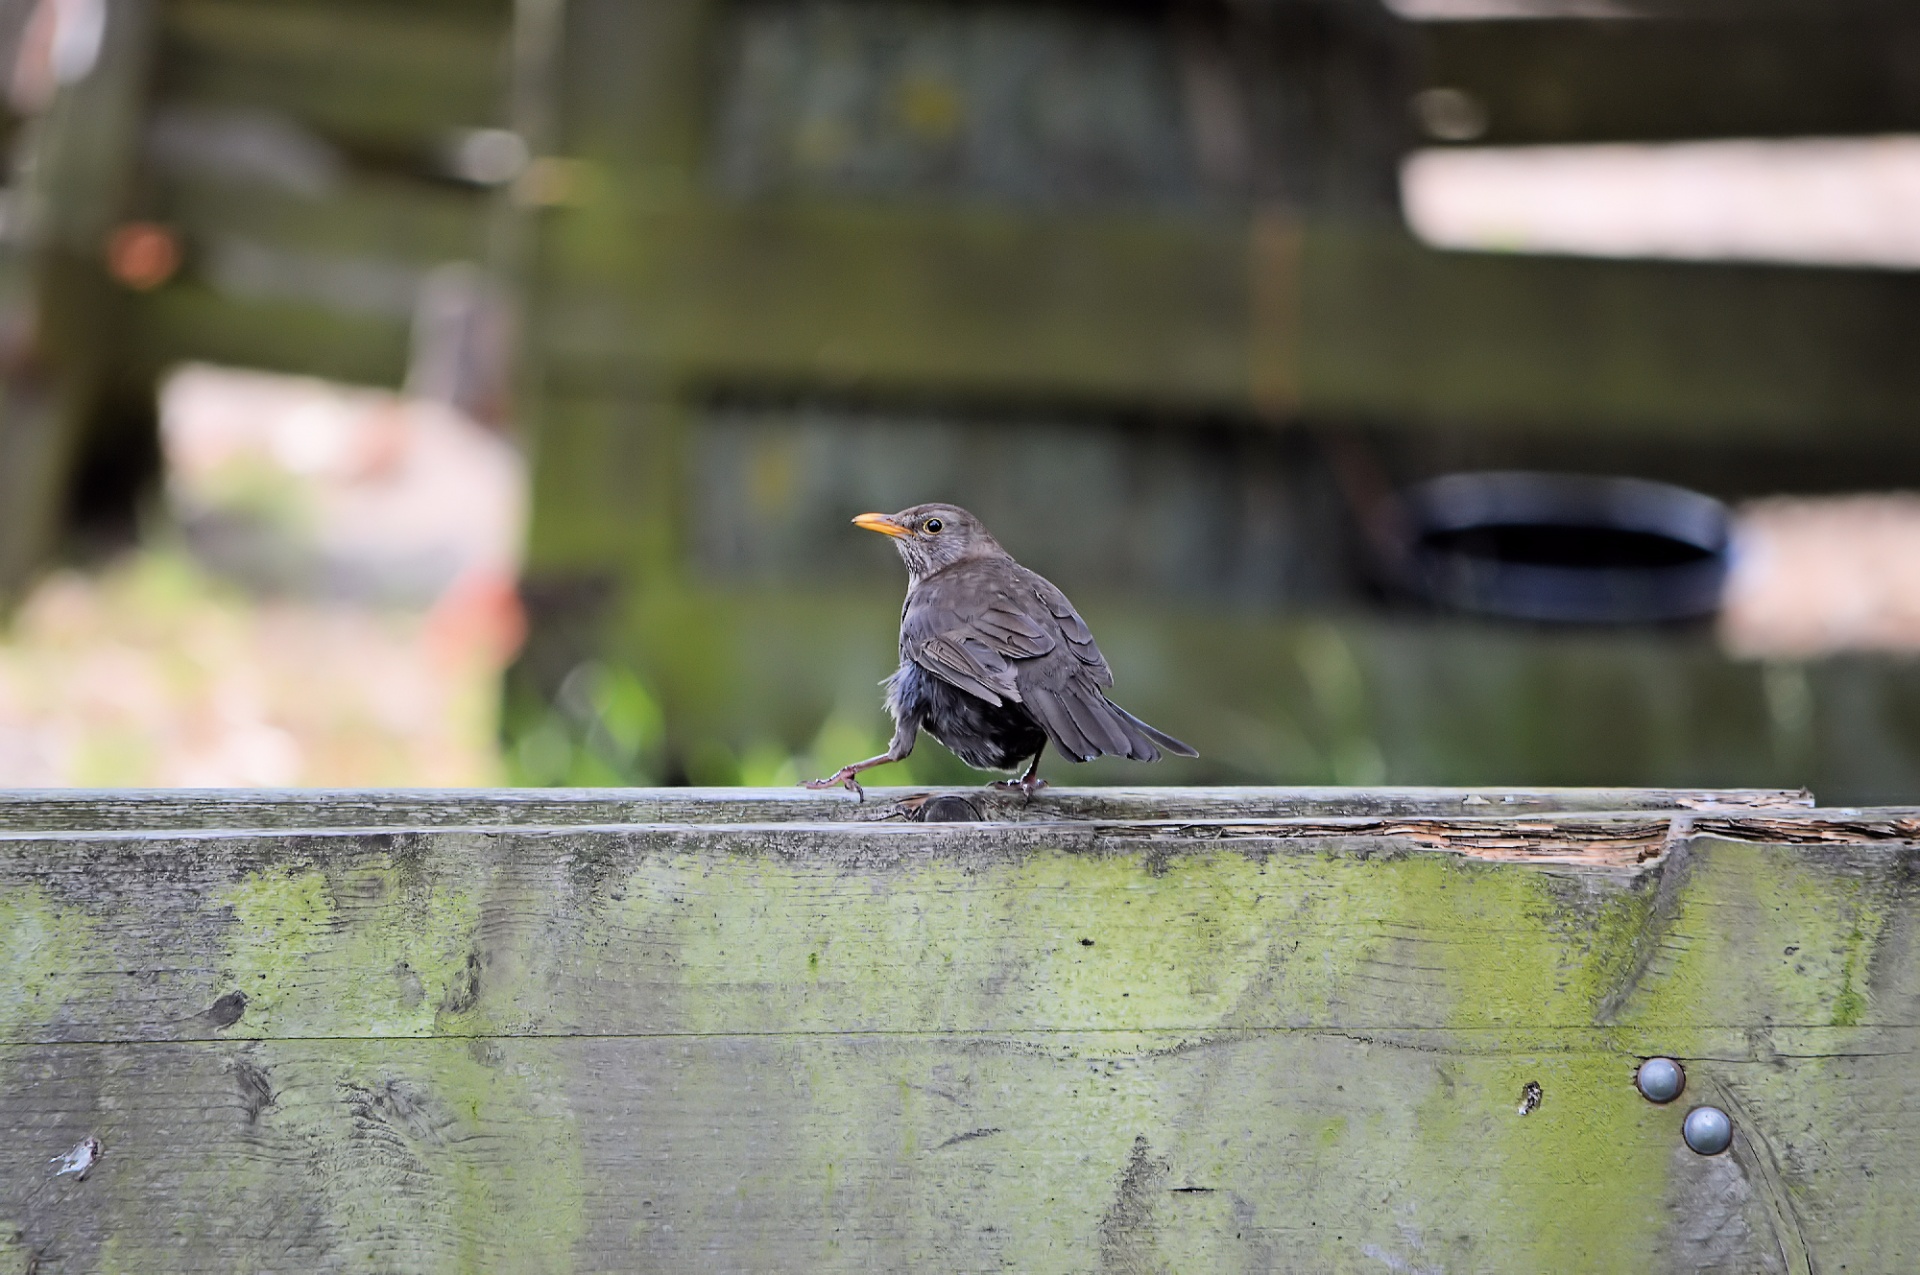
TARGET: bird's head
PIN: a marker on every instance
(930, 537)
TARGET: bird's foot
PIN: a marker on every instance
(1026, 785)
(842, 778)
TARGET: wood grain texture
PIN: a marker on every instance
(1231, 1040)
(50, 810)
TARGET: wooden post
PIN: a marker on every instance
(61, 321)
(1137, 1030)
(1787, 71)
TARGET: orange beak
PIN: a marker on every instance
(880, 523)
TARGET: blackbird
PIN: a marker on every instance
(994, 661)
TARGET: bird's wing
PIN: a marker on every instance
(968, 663)
(1067, 622)
(965, 630)
(1013, 632)
(1002, 633)
(1066, 689)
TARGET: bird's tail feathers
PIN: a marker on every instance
(1061, 728)
(1085, 724)
(1153, 733)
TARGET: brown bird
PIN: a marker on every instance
(994, 661)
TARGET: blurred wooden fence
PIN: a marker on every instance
(1173, 285)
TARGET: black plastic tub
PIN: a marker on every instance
(1566, 548)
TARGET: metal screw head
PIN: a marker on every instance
(1660, 1079)
(1708, 1130)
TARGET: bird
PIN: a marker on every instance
(994, 661)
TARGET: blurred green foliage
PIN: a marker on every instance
(605, 728)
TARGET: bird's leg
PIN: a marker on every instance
(844, 777)
(1029, 783)
(904, 735)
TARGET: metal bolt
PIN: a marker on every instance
(1660, 1079)
(1708, 1130)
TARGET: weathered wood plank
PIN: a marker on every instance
(50, 810)
(779, 928)
(387, 75)
(1226, 1040)
(193, 321)
(1150, 308)
(1165, 312)
(1277, 1151)
(1818, 72)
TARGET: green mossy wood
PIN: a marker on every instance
(1219, 1030)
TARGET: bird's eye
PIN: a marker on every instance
(932, 526)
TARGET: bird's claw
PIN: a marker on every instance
(1025, 786)
(839, 779)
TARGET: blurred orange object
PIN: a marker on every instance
(143, 254)
(479, 619)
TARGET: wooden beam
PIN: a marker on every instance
(1198, 315)
(1736, 353)
(915, 299)
(59, 810)
(1125, 1045)
(649, 275)
(320, 286)
(1779, 74)
(66, 321)
(381, 76)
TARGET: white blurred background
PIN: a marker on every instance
(329, 599)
